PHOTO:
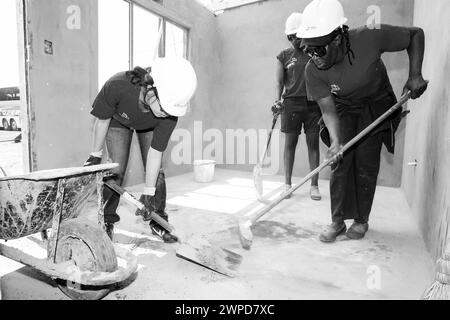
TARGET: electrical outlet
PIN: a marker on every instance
(48, 47)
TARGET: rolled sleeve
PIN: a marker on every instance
(162, 133)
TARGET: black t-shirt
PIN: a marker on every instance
(367, 78)
(119, 99)
(294, 63)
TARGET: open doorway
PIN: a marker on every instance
(13, 111)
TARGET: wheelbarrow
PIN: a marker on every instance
(80, 256)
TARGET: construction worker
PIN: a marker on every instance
(297, 111)
(148, 101)
(348, 79)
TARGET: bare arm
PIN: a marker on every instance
(331, 119)
(279, 85)
(153, 165)
(412, 39)
(416, 50)
(100, 131)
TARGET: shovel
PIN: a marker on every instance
(198, 250)
(257, 170)
(245, 232)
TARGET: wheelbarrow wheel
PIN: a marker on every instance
(90, 249)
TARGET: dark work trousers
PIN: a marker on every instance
(118, 143)
(353, 182)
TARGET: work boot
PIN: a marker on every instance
(332, 231)
(314, 193)
(109, 228)
(357, 230)
(160, 232)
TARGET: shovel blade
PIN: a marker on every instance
(217, 259)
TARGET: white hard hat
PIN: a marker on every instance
(320, 18)
(176, 82)
(293, 22)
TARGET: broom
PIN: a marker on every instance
(440, 289)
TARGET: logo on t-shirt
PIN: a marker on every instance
(125, 116)
(291, 63)
(335, 88)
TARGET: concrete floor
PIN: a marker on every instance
(286, 261)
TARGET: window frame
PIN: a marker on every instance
(162, 44)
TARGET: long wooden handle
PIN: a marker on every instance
(329, 161)
(269, 138)
(132, 200)
(374, 124)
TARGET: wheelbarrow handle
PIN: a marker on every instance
(132, 200)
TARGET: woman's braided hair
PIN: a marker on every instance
(350, 53)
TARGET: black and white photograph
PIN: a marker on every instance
(228, 156)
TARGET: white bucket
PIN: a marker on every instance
(204, 170)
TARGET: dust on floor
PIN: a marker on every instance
(286, 260)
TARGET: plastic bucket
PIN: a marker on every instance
(204, 170)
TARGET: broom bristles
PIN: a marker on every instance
(437, 291)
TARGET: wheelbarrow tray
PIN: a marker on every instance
(27, 202)
(41, 200)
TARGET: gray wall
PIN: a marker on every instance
(61, 85)
(234, 56)
(428, 131)
(252, 36)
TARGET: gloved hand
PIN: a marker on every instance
(277, 107)
(92, 161)
(150, 206)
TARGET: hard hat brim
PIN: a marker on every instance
(176, 111)
(288, 32)
(319, 41)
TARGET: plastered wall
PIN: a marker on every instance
(234, 57)
(62, 82)
(428, 131)
(252, 36)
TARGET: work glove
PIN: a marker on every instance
(417, 85)
(92, 161)
(150, 206)
(277, 107)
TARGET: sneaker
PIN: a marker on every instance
(314, 193)
(357, 230)
(286, 188)
(109, 228)
(332, 232)
(161, 233)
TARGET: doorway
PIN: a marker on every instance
(13, 106)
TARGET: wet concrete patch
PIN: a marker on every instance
(375, 248)
(277, 230)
